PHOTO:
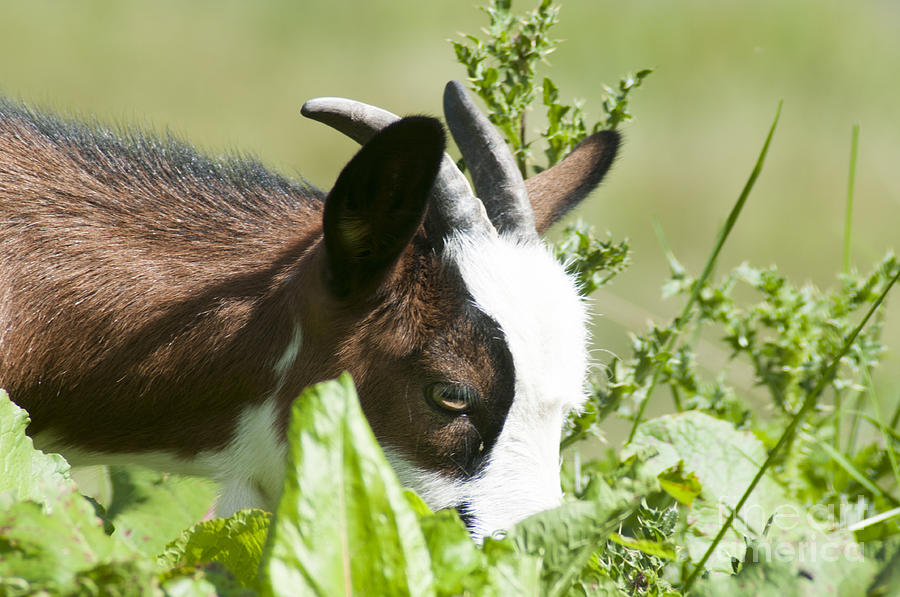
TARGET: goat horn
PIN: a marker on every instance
(455, 206)
(498, 182)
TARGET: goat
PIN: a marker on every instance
(164, 308)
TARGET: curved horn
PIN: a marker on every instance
(455, 206)
(498, 182)
(357, 120)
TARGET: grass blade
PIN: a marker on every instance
(848, 226)
(895, 418)
(708, 268)
(858, 526)
(855, 472)
(888, 432)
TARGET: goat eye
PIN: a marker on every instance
(451, 397)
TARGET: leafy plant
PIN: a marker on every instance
(502, 71)
(351, 530)
(740, 491)
(51, 538)
(590, 261)
(798, 341)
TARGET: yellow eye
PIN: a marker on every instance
(451, 397)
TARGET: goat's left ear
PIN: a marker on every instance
(377, 203)
(556, 190)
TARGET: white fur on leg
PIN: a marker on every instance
(251, 467)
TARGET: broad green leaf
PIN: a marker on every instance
(343, 525)
(511, 572)
(235, 542)
(769, 579)
(457, 563)
(777, 568)
(149, 509)
(212, 580)
(460, 568)
(26, 473)
(780, 530)
(682, 486)
(417, 504)
(724, 462)
(565, 538)
(50, 533)
(51, 545)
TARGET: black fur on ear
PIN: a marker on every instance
(377, 204)
(556, 190)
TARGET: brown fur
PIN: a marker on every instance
(143, 304)
(141, 315)
(556, 190)
(147, 291)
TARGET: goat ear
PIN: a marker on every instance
(556, 190)
(377, 203)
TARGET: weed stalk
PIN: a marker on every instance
(788, 435)
(682, 319)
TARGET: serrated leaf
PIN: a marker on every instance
(132, 577)
(235, 542)
(491, 75)
(26, 473)
(653, 548)
(681, 485)
(350, 529)
(551, 92)
(211, 580)
(565, 538)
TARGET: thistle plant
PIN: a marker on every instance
(502, 71)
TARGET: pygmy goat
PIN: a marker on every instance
(164, 308)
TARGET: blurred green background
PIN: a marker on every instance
(231, 76)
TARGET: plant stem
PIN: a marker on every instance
(676, 397)
(854, 423)
(788, 434)
(838, 407)
(523, 167)
(707, 270)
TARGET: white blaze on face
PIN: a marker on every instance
(525, 290)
